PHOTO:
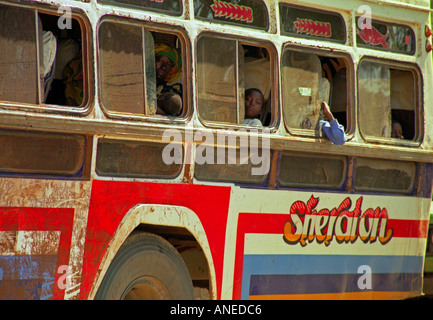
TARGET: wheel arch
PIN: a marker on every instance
(156, 219)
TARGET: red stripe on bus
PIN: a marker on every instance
(42, 219)
(111, 200)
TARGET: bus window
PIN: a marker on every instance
(383, 175)
(121, 62)
(393, 93)
(309, 79)
(41, 64)
(306, 170)
(131, 59)
(19, 55)
(225, 70)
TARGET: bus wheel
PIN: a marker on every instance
(146, 267)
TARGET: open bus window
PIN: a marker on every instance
(225, 70)
(131, 59)
(41, 63)
(309, 79)
(387, 101)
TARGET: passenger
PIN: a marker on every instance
(396, 130)
(73, 78)
(170, 103)
(253, 107)
(331, 128)
(168, 67)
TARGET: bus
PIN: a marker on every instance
(128, 171)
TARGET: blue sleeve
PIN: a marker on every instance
(334, 131)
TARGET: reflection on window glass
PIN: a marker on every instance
(309, 79)
(233, 82)
(387, 101)
(61, 80)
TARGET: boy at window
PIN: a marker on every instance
(168, 67)
(331, 128)
(253, 107)
(396, 130)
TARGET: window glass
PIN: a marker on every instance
(310, 171)
(385, 36)
(19, 67)
(41, 153)
(121, 62)
(218, 90)
(234, 166)
(310, 23)
(309, 79)
(387, 101)
(140, 71)
(60, 59)
(383, 175)
(171, 7)
(234, 83)
(139, 159)
(250, 13)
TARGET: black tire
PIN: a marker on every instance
(146, 267)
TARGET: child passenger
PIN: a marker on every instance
(253, 107)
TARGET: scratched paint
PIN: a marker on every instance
(37, 237)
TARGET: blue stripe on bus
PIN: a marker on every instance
(332, 283)
(326, 265)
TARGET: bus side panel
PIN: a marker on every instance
(41, 238)
(111, 200)
(308, 245)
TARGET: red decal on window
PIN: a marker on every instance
(232, 11)
(314, 28)
(372, 36)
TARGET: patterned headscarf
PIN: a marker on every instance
(164, 49)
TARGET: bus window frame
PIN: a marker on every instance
(229, 20)
(177, 31)
(321, 11)
(274, 74)
(388, 23)
(121, 5)
(87, 105)
(419, 130)
(350, 84)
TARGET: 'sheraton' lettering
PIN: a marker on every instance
(306, 224)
